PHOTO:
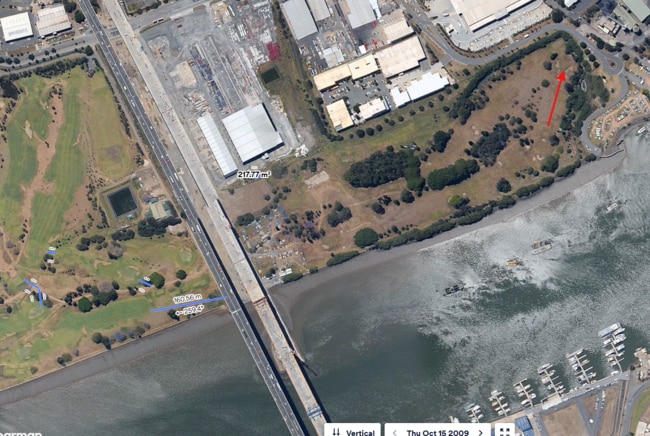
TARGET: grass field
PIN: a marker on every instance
(86, 142)
(66, 171)
(642, 405)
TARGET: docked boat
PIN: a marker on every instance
(512, 263)
(641, 131)
(607, 342)
(620, 347)
(618, 331)
(612, 207)
(543, 368)
(610, 352)
(618, 339)
(541, 246)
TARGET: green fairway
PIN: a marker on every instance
(66, 171)
(107, 135)
(117, 314)
(20, 167)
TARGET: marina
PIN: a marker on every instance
(525, 393)
(549, 379)
(499, 403)
(579, 364)
(614, 344)
(474, 412)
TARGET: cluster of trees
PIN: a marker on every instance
(157, 280)
(550, 163)
(416, 234)
(151, 226)
(292, 277)
(414, 180)
(311, 164)
(489, 145)
(84, 243)
(339, 215)
(365, 237)
(453, 174)
(466, 104)
(245, 219)
(503, 185)
(569, 169)
(341, 257)
(123, 235)
(64, 359)
(98, 338)
(377, 169)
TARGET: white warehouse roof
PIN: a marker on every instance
(319, 9)
(361, 13)
(428, 84)
(299, 18)
(217, 145)
(252, 132)
(372, 108)
(16, 27)
(52, 20)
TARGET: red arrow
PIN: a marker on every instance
(561, 77)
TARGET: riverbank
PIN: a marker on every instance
(126, 353)
(286, 296)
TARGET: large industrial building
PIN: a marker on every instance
(52, 20)
(319, 9)
(400, 57)
(479, 13)
(395, 26)
(16, 27)
(419, 88)
(217, 145)
(252, 132)
(638, 8)
(361, 13)
(300, 20)
(356, 69)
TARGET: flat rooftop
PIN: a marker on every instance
(373, 108)
(300, 20)
(479, 13)
(400, 57)
(356, 69)
(252, 132)
(52, 20)
(16, 26)
(338, 113)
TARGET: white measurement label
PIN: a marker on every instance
(253, 174)
(187, 298)
(190, 310)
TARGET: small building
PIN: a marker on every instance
(400, 97)
(52, 20)
(299, 18)
(569, 3)
(339, 115)
(16, 27)
(373, 109)
(398, 58)
(252, 132)
(355, 69)
(426, 85)
(160, 210)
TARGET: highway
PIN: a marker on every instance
(239, 315)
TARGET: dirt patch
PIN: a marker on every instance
(114, 152)
(611, 403)
(316, 180)
(565, 421)
(28, 130)
(77, 214)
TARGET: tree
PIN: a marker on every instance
(60, 361)
(84, 305)
(550, 163)
(440, 141)
(557, 16)
(79, 17)
(407, 196)
(67, 357)
(96, 337)
(457, 201)
(181, 274)
(172, 314)
(503, 185)
(547, 65)
(245, 219)
(31, 56)
(546, 83)
(377, 208)
(365, 237)
(625, 56)
(157, 280)
(115, 285)
(9, 309)
(554, 140)
(88, 50)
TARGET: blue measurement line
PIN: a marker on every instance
(145, 283)
(51, 252)
(192, 303)
(40, 295)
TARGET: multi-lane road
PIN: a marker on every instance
(270, 376)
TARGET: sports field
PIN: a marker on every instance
(63, 135)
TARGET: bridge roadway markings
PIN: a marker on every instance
(232, 302)
(270, 322)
